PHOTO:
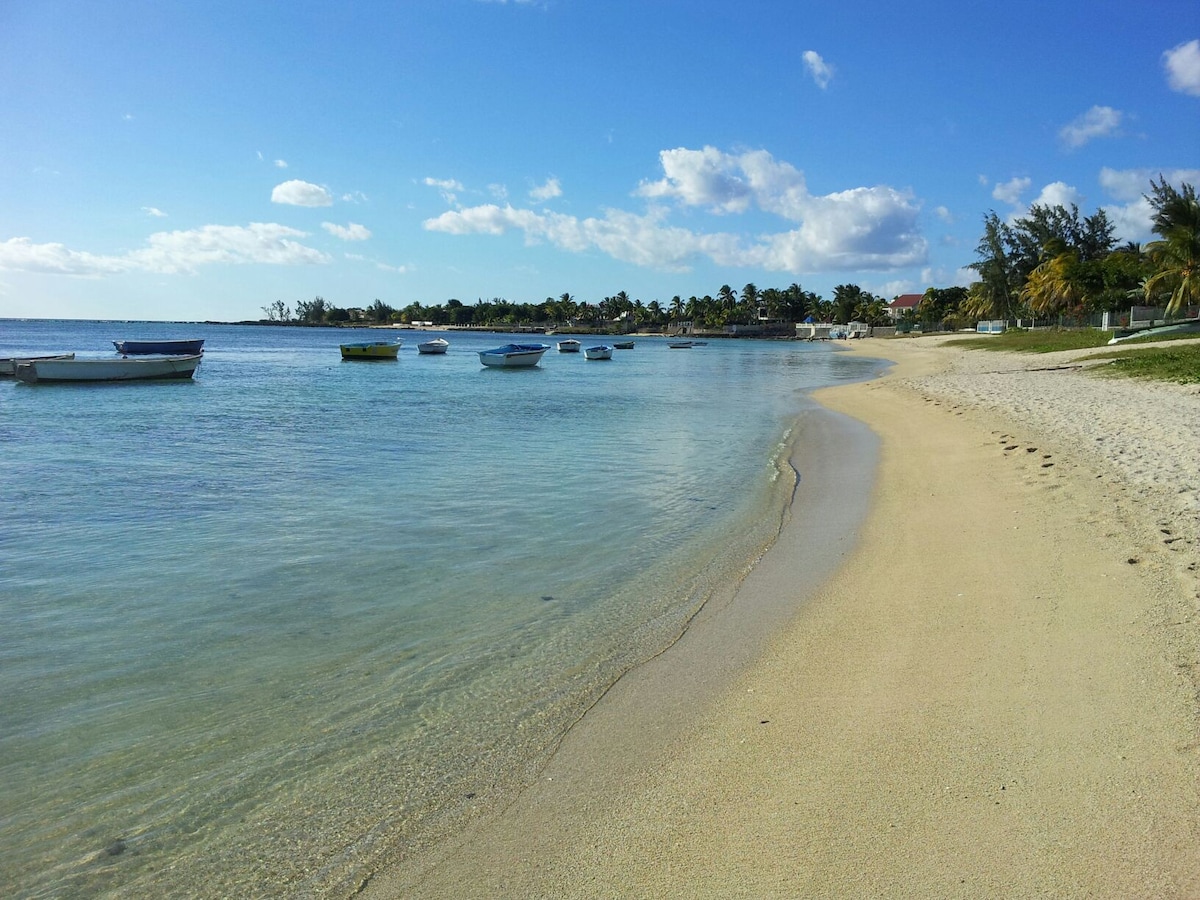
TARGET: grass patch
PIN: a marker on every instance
(1048, 341)
(1177, 364)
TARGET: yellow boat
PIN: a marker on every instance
(371, 350)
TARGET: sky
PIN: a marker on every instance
(202, 161)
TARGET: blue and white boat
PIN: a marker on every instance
(603, 351)
(513, 355)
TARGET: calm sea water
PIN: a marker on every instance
(264, 628)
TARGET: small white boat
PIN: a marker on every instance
(8, 364)
(570, 345)
(1183, 326)
(371, 350)
(117, 368)
(513, 355)
(623, 345)
(680, 345)
(437, 345)
(601, 352)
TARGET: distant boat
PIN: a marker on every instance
(117, 368)
(513, 355)
(699, 343)
(601, 352)
(8, 364)
(437, 345)
(623, 345)
(371, 350)
(568, 346)
(680, 345)
(169, 348)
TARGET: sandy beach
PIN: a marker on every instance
(992, 692)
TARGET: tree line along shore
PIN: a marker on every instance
(1049, 263)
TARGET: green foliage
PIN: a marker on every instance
(1043, 341)
(1176, 255)
(1177, 364)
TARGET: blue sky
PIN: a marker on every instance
(190, 161)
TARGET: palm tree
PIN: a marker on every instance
(1054, 284)
(1176, 256)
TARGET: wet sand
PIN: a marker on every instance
(994, 694)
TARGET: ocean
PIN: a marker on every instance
(267, 628)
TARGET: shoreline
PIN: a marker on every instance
(995, 695)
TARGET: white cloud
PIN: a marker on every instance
(944, 214)
(449, 188)
(1131, 184)
(873, 227)
(354, 197)
(1132, 216)
(1099, 121)
(498, 191)
(446, 184)
(281, 164)
(1058, 193)
(22, 255)
(547, 191)
(350, 232)
(1183, 68)
(821, 71)
(1131, 221)
(169, 252)
(1011, 191)
(301, 193)
(154, 211)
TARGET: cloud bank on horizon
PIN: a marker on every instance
(819, 179)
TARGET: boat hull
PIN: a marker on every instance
(623, 345)
(58, 371)
(1184, 326)
(8, 365)
(167, 348)
(513, 356)
(604, 352)
(568, 346)
(371, 350)
(436, 346)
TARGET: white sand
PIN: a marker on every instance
(996, 696)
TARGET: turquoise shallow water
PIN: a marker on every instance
(268, 627)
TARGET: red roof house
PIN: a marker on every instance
(904, 303)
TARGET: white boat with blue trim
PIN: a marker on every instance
(513, 355)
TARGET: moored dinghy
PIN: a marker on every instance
(117, 368)
(623, 345)
(437, 345)
(168, 347)
(513, 355)
(371, 350)
(570, 345)
(603, 351)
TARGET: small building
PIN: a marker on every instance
(903, 304)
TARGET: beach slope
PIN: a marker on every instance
(994, 696)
